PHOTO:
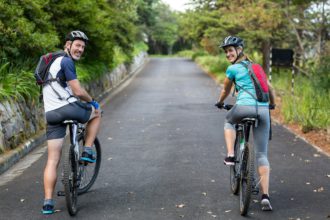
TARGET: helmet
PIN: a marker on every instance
(76, 35)
(232, 41)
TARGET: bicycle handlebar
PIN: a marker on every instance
(228, 107)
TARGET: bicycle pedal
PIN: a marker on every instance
(60, 193)
(255, 191)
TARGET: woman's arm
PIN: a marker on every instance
(227, 84)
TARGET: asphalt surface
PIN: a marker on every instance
(163, 147)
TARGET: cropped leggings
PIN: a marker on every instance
(261, 133)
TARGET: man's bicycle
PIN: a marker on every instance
(78, 176)
(242, 174)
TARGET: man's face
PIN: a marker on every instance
(77, 48)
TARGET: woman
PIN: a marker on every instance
(246, 106)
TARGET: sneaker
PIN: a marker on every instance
(265, 203)
(88, 156)
(229, 161)
(48, 209)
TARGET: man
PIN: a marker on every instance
(62, 102)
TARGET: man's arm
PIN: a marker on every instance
(79, 91)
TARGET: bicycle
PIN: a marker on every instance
(242, 174)
(78, 176)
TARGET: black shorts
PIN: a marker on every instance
(78, 111)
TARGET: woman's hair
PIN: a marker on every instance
(242, 58)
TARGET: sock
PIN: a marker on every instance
(88, 149)
(49, 202)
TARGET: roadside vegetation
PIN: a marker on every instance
(303, 26)
(118, 30)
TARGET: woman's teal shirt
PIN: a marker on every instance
(239, 73)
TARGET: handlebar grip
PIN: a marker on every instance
(223, 106)
(271, 107)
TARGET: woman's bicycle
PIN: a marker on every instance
(242, 174)
(78, 176)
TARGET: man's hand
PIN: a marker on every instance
(95, 104)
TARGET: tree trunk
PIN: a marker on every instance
(266, 55)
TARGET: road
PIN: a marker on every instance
(163, 148)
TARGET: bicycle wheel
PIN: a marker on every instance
(247, 174)
(88, 171)
(70, 166)
(234, 170)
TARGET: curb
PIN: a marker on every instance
(10, 158)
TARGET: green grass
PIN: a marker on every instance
(308, 105)
(16, 83)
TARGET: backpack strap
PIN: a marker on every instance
(249, 67)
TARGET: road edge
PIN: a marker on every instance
(10, 158)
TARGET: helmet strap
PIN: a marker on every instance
(239, 55)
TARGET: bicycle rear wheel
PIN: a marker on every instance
(88, 172)
(234, 170)
(70, 167)
(247, 174)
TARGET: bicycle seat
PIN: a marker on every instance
(70, 122)
(248, 119)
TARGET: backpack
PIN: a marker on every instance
(259, 80)
(41, 73)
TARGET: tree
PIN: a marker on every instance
(25, 30)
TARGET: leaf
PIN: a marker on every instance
(181, 206)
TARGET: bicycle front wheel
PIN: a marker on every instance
(70, 168)
(89, 171)
(246, 179)
(234, 170)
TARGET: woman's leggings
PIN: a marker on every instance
(261, 133)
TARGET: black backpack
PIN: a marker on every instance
(41, 73)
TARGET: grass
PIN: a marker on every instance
(16, 83)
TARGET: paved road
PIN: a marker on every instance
(162, 159)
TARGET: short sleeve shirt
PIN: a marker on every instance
(239, 73)
(64, 68)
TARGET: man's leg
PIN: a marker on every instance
(50, 172)
(92, 129)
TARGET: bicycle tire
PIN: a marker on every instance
(70, 179)
(247, 175)
(234, 170)
(89, 171)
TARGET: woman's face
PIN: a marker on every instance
(231, 53)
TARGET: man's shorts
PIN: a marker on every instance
(78, 111)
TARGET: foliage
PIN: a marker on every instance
(16, 84)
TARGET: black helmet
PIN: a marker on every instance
(232, 41)
(76, 35)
